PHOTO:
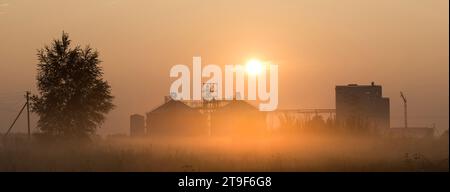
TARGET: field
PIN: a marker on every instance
(275, 153)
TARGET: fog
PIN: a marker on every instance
(307, 152)
(401, 45)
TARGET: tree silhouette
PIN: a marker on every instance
(73, 97)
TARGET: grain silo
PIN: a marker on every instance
(137, 125)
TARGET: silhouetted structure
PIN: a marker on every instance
(137, 125)
(175, 118)
(362, 107)
(238, 118)
(185, 118)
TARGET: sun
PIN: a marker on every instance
(254, 67)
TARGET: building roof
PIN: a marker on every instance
(356, 85)
(182, 106)
(237, 105)
(136, 115)
(173, 105)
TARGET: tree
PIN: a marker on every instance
(73, 97)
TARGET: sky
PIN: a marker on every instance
(402, 45)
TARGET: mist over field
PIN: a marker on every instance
(310, 152)
(224, 85)
(402, 45)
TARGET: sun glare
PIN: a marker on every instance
(254, 67)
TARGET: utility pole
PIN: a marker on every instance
(27, 95)
(27, 105)
(405, 108)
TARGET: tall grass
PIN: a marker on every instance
(309, 152)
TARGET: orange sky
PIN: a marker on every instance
(400, 44)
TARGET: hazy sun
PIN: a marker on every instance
(254, 67)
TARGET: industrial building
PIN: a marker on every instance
(362, 107)
(175, 118)
(238, 118)
(358, 108)
(187, 118)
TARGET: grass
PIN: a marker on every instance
(274, 153)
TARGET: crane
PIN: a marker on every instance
(405, 109)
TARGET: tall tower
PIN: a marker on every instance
(362, 107)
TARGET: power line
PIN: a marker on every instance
(27, 105)
(14, 122)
